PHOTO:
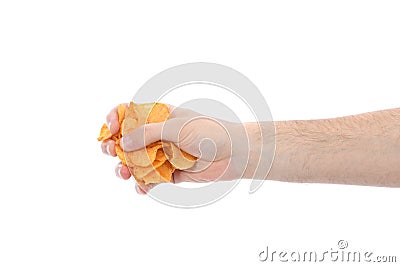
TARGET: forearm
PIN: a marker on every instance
(362, 150)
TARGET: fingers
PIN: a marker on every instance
(145, 135)
(142, 136)
(108, 148)
(153, 132)
(122, 171)
(144, 189)
(139, 190)
(112, 120)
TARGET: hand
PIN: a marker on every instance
(207, 138)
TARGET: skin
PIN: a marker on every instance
(358, 150)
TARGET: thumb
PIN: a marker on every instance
(152, 132)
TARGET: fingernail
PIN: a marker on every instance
(119, 173)
(108, 149)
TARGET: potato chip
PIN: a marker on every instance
(151, 113)
(159, 113)
(160, 159)
(128, 125)
(160, 156)
(159, 167)
(152, 178)
(120, 153)
(121, 113)
(190, 157)
(140, 172)
(161, 174)
(142, 157)
(139, 181)
(156, 162)
(142, 112)
(131, 111)
(157, 144)
(104, 133)
(165, 171)
(178, 158)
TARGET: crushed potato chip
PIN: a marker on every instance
(151, 178)
(120, 153)
(156, 162)
(178, 158)
(161, 174)
(128, 125)
(142, 157)
(159, 113)
(104, 133)
(140, 172)
(121, 113)
(160, 156)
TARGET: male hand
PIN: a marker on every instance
(209, 139)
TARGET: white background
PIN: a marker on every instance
(64, 64)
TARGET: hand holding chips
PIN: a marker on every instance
(156, 162)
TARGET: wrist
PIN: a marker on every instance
(260, 151)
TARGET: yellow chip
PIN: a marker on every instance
(142, 157)
(151, 113)
(158, 163)
(120, 153)
(128, 125)
(157, 144)
(121, 113)
(138, 180)
(131, 111)
(142, 112)
(152, 178)
(177, 157)
(159, 113)
(160, 156)
(161, 174)
(140, 172)
(104, 133)
(155, 163)
(160, 159)
(165, 171)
